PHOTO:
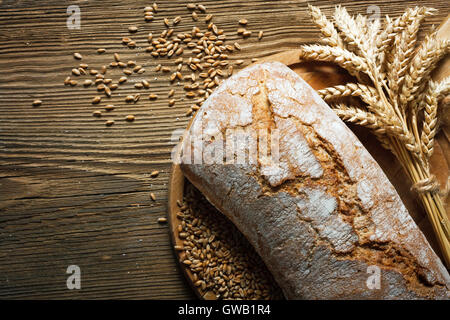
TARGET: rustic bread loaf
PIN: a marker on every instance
(318, 210)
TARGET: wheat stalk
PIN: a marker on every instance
(399, 94)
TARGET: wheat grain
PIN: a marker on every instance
(360, 117)
(404, 44)
(384, 40)
(425, 59)
(202, 8)
(378, 125)
(221, 262)
(393, 28)
(443, 88)
(361, 23)
(260, 35)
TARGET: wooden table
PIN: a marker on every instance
(75, 192)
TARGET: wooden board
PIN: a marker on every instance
(75, 192)
(319, 76)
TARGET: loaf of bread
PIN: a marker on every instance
(305, 192)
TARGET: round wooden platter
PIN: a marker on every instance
(321, 75)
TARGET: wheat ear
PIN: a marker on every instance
(404, 45)
(365, 119)
(379, 125)
(429, 128)
(425, 59)
(408, 25)
(367, 94)
(351, 30)
(344, 58)
(359, 117)
(330, 35)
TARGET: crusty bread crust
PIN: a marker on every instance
(326, 212)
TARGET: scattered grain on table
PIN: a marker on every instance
(154, 173)
(205, 47)
(162, 220)
(132, 29)
(260, 34)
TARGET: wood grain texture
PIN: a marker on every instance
(75, 192)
